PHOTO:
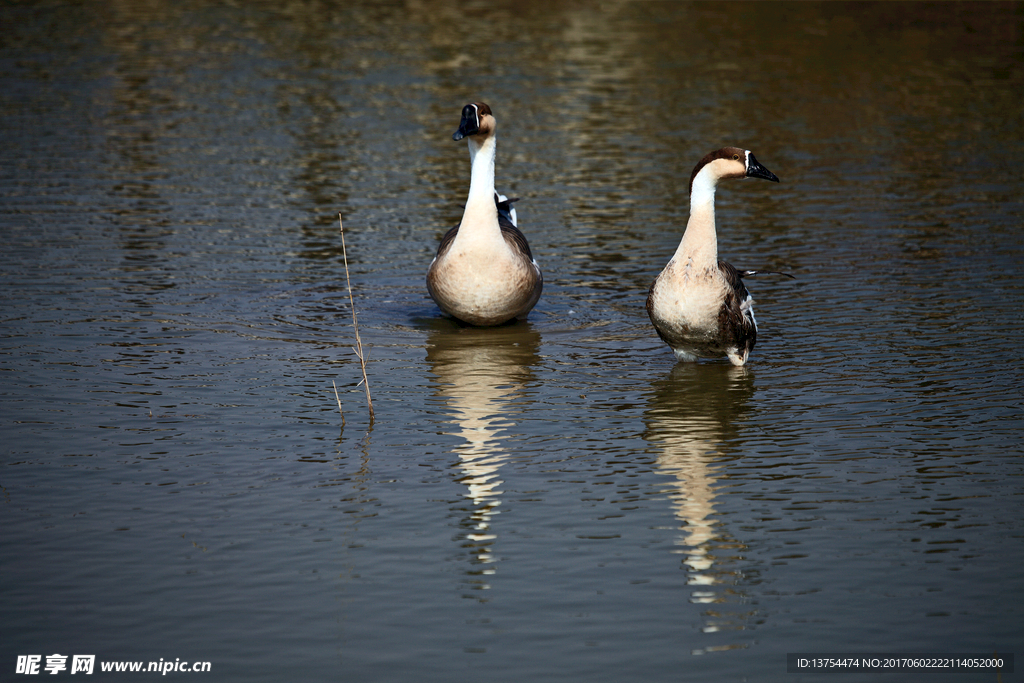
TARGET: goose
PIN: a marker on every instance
(698, 304)
(484, 273)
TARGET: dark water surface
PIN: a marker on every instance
(549, 501)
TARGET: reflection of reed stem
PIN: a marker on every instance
(338, 399)
(355, 325)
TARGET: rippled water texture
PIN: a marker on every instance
(554, 500)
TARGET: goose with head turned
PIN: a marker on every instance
(698, 304)
(483, 273)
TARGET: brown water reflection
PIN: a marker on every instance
(170, 179)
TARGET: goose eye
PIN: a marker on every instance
(735, 157)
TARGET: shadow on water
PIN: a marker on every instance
(479, 372)
(692, 416)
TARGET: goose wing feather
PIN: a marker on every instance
(736, 317)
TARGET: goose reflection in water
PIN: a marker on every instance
(479, 372)
(691, 418)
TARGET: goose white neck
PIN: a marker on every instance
(481, 184)
(702, 194)
(700, 241)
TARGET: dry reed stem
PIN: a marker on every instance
(355, 325)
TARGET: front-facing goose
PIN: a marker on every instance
(484, 273)
(698, 304)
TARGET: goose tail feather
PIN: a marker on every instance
(505, 207)
(747, 273)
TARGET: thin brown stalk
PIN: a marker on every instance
(355, 325)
